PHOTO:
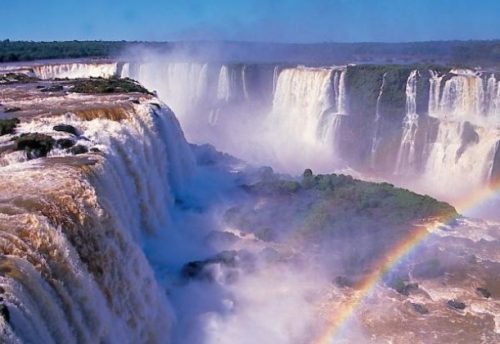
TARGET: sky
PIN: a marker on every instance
(301, 21)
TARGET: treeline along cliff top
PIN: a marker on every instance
(460, 53)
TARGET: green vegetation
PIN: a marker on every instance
(356, 221)
(402, 287)
(364, 82)
(13, 51)
(8, 126)
(470, 53)
(111, 85)
(34, 144)
(341, 198)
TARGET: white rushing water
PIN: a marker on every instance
(466, 95)
(73, 270)
(462, 155)
(76, 70)
(308, 105)
(376, 139)
(406, 155)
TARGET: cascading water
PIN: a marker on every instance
(492, 101)
(376, 138)
(434, 92)
(307, 106)
(71, 229)
(181, 85)
(462, 97)
(460, 158)
(75, 70)
(406, 155)
(224, 84)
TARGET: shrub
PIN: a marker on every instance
(8, 126)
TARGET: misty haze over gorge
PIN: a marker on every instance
(241, 172)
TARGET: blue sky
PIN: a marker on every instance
(257, 20)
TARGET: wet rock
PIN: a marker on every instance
(483, 292)
(52, 88)
(66, 128)
(456, 304)
(469, 137)
(193, 269)
(35, 145)
(220, 237)
(8, 126)
(65, 143)
(4, 312)
(95, 150)
(343, 282)
(12, 109)
(419, 308)
(79, 149)
(199, 269)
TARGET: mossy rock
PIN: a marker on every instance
(65, 143)
(79, 149)
(456, 304)
(8, 126)
(14, 78)
(52, 88)
(34, 144)
(12, 109)
(484, 292)
(420, 308)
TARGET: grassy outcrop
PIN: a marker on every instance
(106, 86)
(347, 196)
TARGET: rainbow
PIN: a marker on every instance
(341, 315)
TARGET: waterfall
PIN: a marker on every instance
(376, 139)
(71, 228)
(492, 106)
(461, 157)
(307, 108)
(466, 106)
(406, 155)
(466, 95)
(275, 77)
(462, 97)
(75, 70)
(222, 104)
(224, 84)
(434, 92)
(301, 100)
(244, 81)
(181, 85)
